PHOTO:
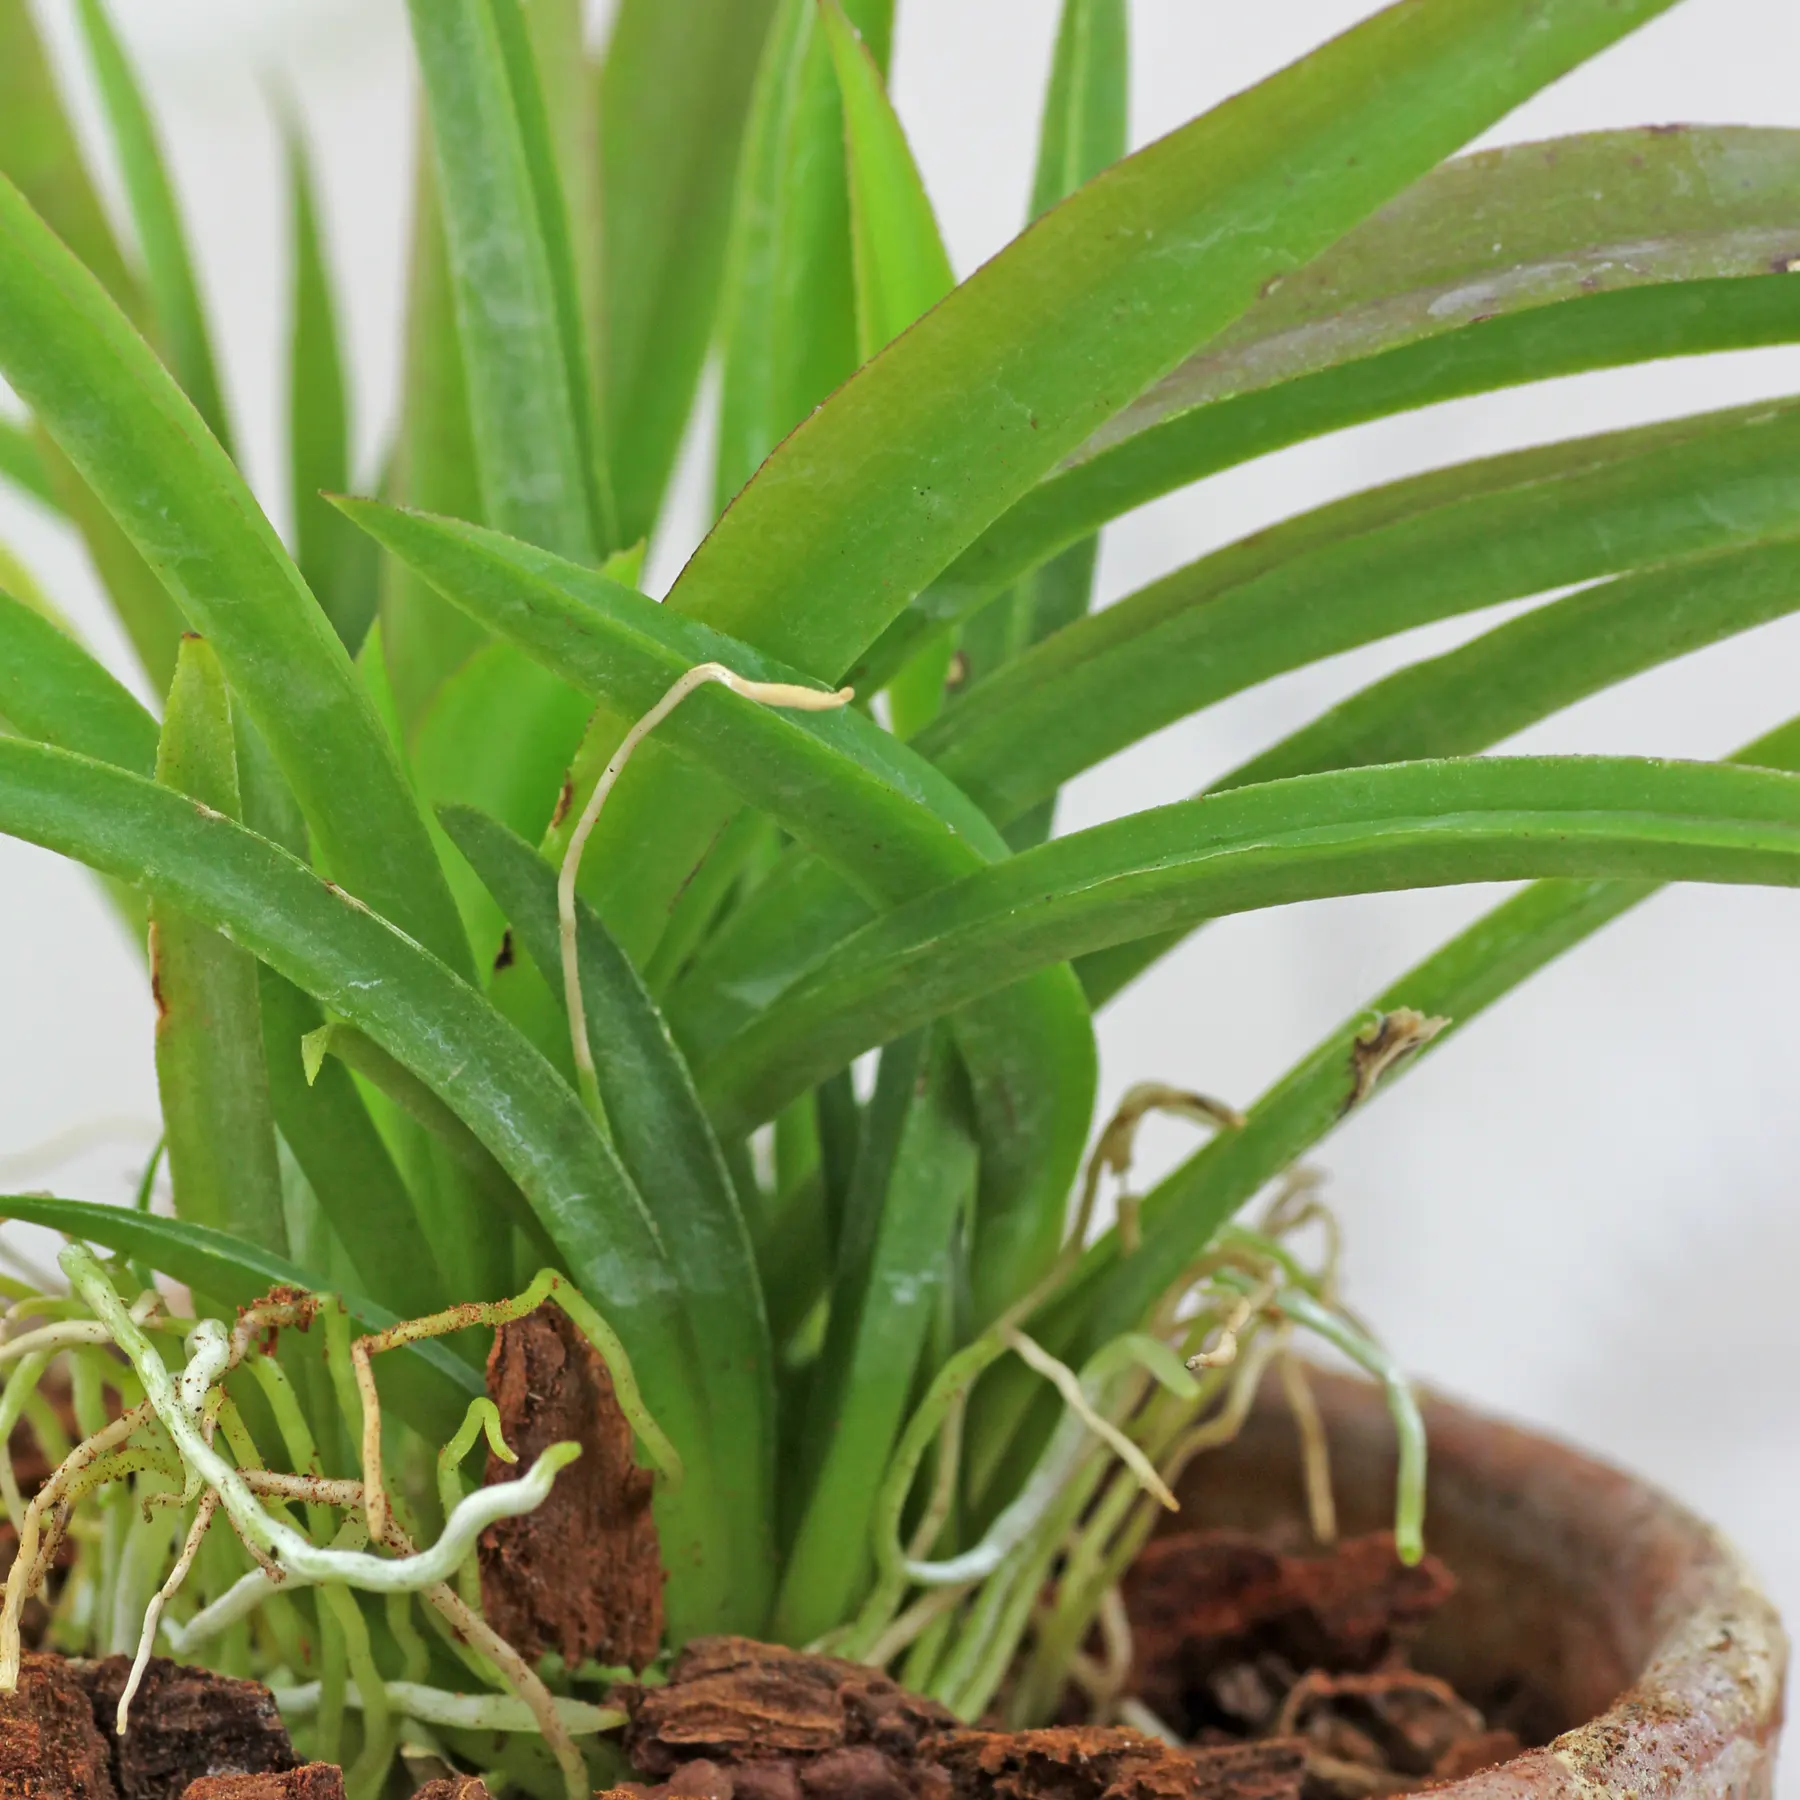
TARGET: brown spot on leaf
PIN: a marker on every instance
(565, 798)
(583, 1574)
(1383, 1046)
(505, 956)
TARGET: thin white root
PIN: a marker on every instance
(203, 1517)
(1068, 1384)
(460, 1712)
(1315, 1451)
(21, 1578)
(768, 693)
(1117, 1143)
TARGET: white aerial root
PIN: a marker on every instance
(1315, 1450)
(177, 1408)
(1068, 1384)
(460, 1712)
(21, 1579)
(203, 1517)
(767, 693)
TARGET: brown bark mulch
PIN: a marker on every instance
(582, 1575)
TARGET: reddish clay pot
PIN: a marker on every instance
(1646, 1654)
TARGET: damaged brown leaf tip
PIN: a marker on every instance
(1381, 1047)
(582, 1575)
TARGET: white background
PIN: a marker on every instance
(1583, 1213)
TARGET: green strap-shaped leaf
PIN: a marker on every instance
(513, 282)
(918, 453)
(902, 271)
(1512, 676)
(914, 1175)
(1083, 132)
(1512, 265)
(21, 464)
(664, 1139)
(151, 621)
(210, 1073)
(674, 91)
(332, 556)
(839, 783)
(787, 311)
(862, 798)
(1361, 569)
(498, 736)
(371, 974)
(875, 493)
(52, 690)
(1084, 124)
(431, 1387)
(136, 440)
(1360, 831)
(174, 294)
(40, 155)
(423, 639)
(1458, 981)
(347, 1165)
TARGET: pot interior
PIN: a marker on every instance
(1568, 1571)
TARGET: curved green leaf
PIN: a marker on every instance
(787, 310)
(843, 786)
(39, 153)
(1359, 831)
(1360, 569)
(370, 973)
(95, 386)
(878, 490)
(1508, 266)
(333, 558)
(665, 1141)
(162, 241)
(1520, 672)
(513, 294)
(210, 1074)
(498, 735)
(423, 639)
(914, 1175)
(1084, 126)
(1458, 981)
(835, 777)
(348, 1166)
(21, 464)
(674, 90)
(902, 269)
(874, 494)
(52, 690)
(1084, 130)
(432, 1387)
